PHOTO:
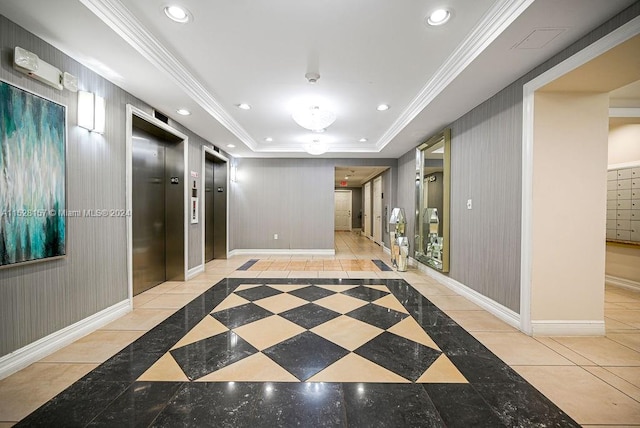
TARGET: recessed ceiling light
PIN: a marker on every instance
(177, 14)
(383, 107)
(231, 146)
(268, 139)
(183, 111)
(244, 106)
(363, 140)
(438, 17)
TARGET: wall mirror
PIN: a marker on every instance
(433, 161)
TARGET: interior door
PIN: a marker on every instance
(342, 209)
(367, 209)
(377, 210)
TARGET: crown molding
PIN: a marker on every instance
(121, 20)
(494, 22)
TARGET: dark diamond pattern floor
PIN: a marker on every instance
(379, 354)
(309, 315)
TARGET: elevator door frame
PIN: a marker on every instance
(209, 151)
(131, 111)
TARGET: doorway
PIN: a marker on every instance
(377, 210)
(342, 215)
(367, 209)
(157, 201)
(215, 206)
(577, 110)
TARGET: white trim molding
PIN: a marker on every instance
(622, 282)
(624, 112)
(623, 165)
(568, 328)
(194, 271)
(502, 312)
(135, 111)
(117, 17)
(35, 351)
(493, 23)
(282, 252)
(611, 40)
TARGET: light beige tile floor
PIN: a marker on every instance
(594, 380)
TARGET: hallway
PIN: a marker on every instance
(328, 341)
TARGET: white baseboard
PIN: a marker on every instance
(622, 282)
(283, 252)
(567, 328)
(193, 272)
(33, 352)
(502, 312)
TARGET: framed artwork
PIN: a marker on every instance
(33, 139)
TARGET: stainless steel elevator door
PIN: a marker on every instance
(220, 209)
(209, 211)
(148, 211)
(215, 194)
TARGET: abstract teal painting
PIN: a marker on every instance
(32, 177)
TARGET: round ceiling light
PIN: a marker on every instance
(244, 106)
(268, 139)
(383, 107)
(177, 14)
(438, 17)
(314, 118)
(183, 112)
(231, 146)
(363, 140)
(316, 147)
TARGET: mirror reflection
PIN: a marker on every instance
(432, 202)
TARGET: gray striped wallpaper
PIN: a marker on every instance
(41, 298)
(486, 167)
(292, 198)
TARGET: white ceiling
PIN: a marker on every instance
(356, 176)
(367, 53)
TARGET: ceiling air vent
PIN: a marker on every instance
(161, 117)
(539, 38)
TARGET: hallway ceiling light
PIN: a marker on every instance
(363, 140)
(314, 118)
(383, 107)
(177, 14)
(183, 112)
(268, 139)
(231, 146)
(438, 17)
(316, 147)
(244, 106)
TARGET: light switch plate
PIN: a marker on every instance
(469, 204)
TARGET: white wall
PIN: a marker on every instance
(624, 144)
(569, 200)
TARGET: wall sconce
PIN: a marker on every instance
(234, 172)
(91, 112)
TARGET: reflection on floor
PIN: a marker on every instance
(297, 352)
(595, 380)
